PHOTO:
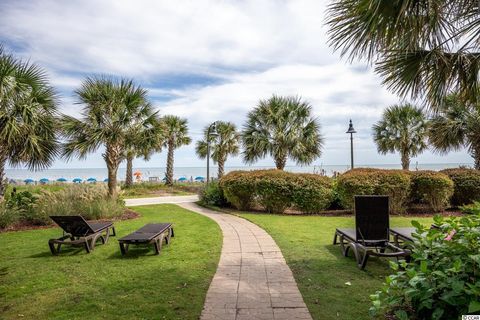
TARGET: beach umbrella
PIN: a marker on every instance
(27, 181)
(105, 180)
(77, 180)
(199, 178)
(43, 180)
(91, 179)
(164, 179)
(182, 179)
(62, 180)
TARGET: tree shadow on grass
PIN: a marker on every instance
(135, 252)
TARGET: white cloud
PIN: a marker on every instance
(252, 49)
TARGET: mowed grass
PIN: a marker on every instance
(105, 285)
(332, 285)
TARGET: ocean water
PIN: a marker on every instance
(191, 172)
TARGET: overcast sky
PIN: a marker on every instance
(206, 61)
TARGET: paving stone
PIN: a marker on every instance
(291, 314)
(255, 314)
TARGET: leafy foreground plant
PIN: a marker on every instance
(442, 281)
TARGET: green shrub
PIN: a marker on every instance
(466, 184)
(239, 189)
(8, 216)
(432, 188)
(394, 183)
(312, 193)
(441, 281)
(21, 204)
(273, 189)
(211, 194)
(90, 201)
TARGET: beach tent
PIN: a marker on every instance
(43, 180)
(91, 179)
(28, 181)
(182, 179)
(199, 178)
(77, 180)
(62, 180)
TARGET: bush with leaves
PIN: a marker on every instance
(211, 194)
(431, 188)
(442, 280)
(312, 193)
(466, 185)
(273, 189)
(238, 188)
(366, 181)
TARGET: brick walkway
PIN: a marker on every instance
(252, 281)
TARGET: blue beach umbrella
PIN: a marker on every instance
(27, 181)
(91, 179)
(43, 180)
(77, 180)
(62, 180)
(182, 179)
(105, 180)
(199, 178)
(164, 179)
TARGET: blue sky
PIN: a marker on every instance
(206, 61)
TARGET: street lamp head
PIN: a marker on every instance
(350, 128)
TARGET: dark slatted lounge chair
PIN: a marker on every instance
(402, 235)
(371, 234)
(152, 233)
(79, 232)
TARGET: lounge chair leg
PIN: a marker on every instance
(87, 246)
(122, 249)
(157, 247)
(363, 263)
(113, 232)
(171, 230)
(335, 238)
(52, 247)
(107, 235)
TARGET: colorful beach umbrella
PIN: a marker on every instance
(199, 178)
(27, 181)
(182, 179)
(62, 180)
(91, 179)
(43, 180)
(77, 180)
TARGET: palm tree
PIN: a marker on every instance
(282, 127)
(403, 128)
(28, 116)
(142, 142)
(224, 141)
(113, 108)
(454, 125)
(422, 48)
(176, 135)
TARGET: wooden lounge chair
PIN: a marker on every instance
(79, 232)
(371, 234)
(152, 233)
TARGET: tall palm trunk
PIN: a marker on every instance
(112, 158)
(129, 176)
(475, 153)
(3, 184)
(405, 160)
(280, 161)
(170, 163)
(221, 167)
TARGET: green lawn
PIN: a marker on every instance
(105, 285)
(147, 189)
(319, 267)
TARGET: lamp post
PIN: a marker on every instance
(351, 131)
(211, 128)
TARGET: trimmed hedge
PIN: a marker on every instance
(276, 190)
(432, 188)
(466, 185)
(366, 181)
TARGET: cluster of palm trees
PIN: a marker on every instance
(409, 130)
(116, 116)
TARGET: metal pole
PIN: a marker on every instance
(208, 156)
(351, 149)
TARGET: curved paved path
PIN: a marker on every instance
(252, 281)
